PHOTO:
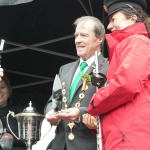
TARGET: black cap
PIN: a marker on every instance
(111, 6)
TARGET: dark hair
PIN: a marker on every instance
(5, 79)
(98, 26)
(141, 16)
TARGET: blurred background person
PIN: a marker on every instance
(7, 104)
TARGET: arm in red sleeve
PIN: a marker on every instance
(128, 79)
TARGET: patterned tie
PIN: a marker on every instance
(77, 79)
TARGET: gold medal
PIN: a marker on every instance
(71, 136)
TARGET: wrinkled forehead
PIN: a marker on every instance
(87, 26)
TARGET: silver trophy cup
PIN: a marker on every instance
(29, 125)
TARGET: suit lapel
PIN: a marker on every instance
(71, 71)
(90, 70)
(68, 78)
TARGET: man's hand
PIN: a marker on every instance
(69, 115)
(51, 117)
(89, 121)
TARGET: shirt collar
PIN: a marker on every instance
(90, 60)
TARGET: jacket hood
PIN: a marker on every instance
(114, 38)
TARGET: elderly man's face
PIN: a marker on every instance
(85, 40)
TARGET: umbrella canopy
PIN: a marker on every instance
(39, 38)
(13, 2)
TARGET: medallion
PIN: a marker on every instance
(71, 136)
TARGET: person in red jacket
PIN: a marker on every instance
(123, 104)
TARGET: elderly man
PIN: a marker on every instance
(89, 35)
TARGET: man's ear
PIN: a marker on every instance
(100, 40)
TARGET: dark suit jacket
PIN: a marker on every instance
(84, 138)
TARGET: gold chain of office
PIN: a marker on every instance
(77, 105)
(81, 97)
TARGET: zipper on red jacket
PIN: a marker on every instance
(123, 138)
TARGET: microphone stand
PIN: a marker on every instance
(99, 132)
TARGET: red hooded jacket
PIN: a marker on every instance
(124, 103)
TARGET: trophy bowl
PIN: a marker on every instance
(29, 125)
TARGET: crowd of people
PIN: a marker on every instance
(122, 103)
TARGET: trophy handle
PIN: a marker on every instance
(45, 134)
(13, 114)
(44, 123)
